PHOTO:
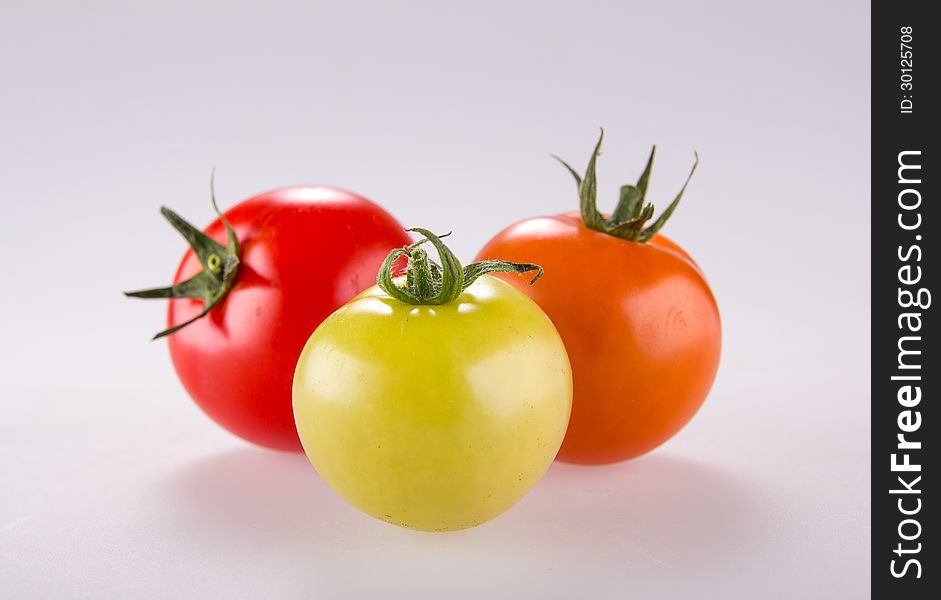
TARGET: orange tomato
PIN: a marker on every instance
(638, 320)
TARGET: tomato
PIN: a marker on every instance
(436, 415)
(297, 255)
(639, 321)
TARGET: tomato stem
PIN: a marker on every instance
(220, 265)
(427, 282)
(632, 212)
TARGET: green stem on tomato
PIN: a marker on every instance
(630, 217)
(220, 265)
(426, 282)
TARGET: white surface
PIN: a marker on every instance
(115, 486)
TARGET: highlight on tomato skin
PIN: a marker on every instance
(639, 321)
(437, 400)
(266, 273)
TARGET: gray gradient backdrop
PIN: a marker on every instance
(115, 485)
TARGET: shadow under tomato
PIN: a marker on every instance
(249, 493)
(658, 509)
(657, 519)
(579, 528)
(655, 510)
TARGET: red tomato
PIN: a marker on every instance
(638, 319)
(303, 253)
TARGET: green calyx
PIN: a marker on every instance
(630, 217)
(427, 282)
(220, 266)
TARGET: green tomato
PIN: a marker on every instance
(434, 417)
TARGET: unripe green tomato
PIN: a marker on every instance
(434, 417)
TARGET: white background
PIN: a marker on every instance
(114, 485)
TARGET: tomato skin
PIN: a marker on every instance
(305, 251)
(640, 324)
(434, 417)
